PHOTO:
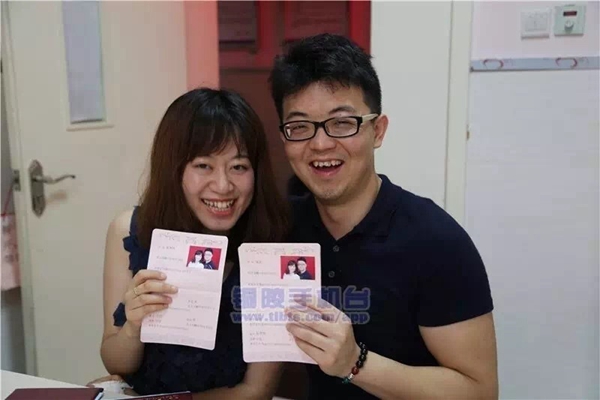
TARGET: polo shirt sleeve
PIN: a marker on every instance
(453, 282)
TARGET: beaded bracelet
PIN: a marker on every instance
(359, 363)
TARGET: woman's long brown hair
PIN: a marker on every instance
(199, 123)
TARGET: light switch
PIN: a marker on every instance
(569, 19)
(536, 23)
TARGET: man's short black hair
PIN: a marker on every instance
(325, 58)
(302, 259)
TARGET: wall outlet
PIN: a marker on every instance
(569, 19)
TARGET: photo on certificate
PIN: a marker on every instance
(203, 258)
(297, 268)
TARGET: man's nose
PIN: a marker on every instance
(321, 141)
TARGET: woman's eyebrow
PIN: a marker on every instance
(237, 156)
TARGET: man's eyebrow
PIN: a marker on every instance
(342, 109)
(296, 114)
(336, 110)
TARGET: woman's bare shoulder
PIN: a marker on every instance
(120, 224)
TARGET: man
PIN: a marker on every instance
(208, 255)
(430, 331)
(304, 274)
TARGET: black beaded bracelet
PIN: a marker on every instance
(359, 363)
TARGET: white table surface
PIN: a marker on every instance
(12, 380)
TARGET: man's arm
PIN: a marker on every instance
(260, 382)
(455, 321)
(466, 352)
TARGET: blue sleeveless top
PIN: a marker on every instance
(172, 368)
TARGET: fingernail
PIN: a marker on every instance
(162, 275)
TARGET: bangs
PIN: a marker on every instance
(211, 134)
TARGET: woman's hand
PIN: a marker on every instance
(147, 293)
(113, 384)
(109, 378)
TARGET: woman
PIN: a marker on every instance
(210, 173)
(196, 262)
(291, 271)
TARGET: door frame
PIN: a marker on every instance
(21, 196)
(458, 109)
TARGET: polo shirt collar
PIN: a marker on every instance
(377, 221)
(379, 218)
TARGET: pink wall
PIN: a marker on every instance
(497, 32)
(202, 43)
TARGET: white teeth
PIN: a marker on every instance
(321, 164)
(220, 205)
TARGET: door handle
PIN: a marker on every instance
(50, 181)
(38, 180)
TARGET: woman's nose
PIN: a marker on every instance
(222, 183)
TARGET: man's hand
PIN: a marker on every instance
(325, 334)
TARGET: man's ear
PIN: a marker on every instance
(381, 124)
(281, 136)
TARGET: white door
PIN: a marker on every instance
(425, 85)
(144, 69)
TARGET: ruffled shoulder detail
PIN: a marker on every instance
(138, 256)
(138, 259)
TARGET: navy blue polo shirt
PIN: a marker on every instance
(407, 264)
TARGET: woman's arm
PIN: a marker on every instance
(121, 349)
(147, 292)
(260, 382)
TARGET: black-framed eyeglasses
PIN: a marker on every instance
(336, 127)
